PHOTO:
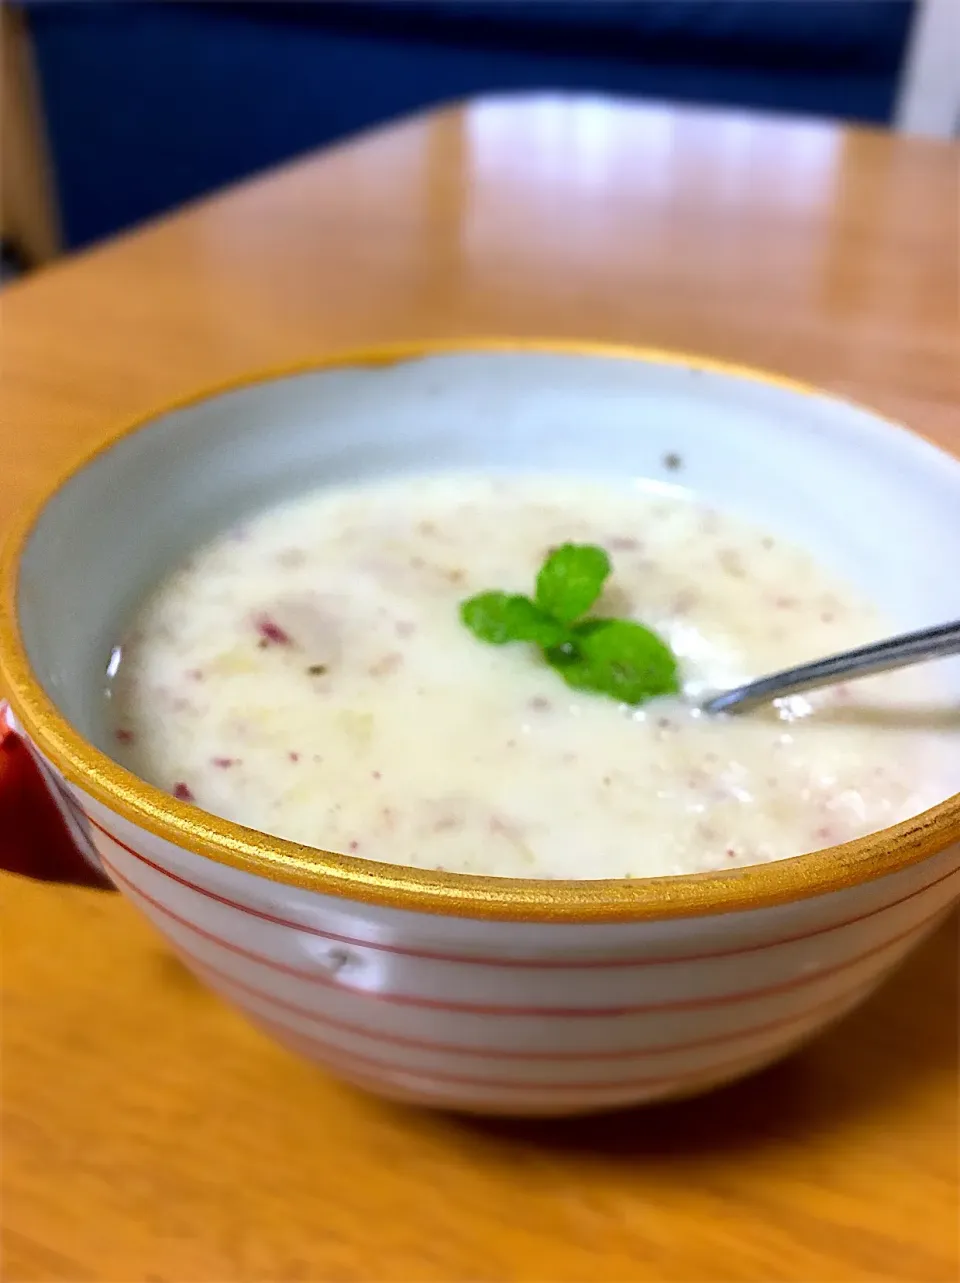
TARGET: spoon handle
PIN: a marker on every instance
(879, 657)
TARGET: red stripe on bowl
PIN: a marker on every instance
(335, 1055)
(819, 1009)
(532, 963)
(494, 1009)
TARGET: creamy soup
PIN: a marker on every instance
(307, 674)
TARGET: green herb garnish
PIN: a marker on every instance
(571, 579)
(614, 657)
(498, 617)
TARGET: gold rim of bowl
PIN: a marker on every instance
(401, 886)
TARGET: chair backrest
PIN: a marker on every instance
(28, 212)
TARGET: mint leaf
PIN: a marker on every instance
(619, 658)
(571, 579)
(499, 617)
(614, 657)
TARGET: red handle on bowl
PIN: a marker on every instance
(34, 840)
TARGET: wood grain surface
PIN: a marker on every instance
(147, 1133)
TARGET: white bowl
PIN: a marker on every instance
(489, 994)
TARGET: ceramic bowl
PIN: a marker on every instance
(489, 994)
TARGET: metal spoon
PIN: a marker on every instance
(880, 657)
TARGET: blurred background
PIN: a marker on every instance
(113, 113)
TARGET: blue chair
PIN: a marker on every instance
(151, 104)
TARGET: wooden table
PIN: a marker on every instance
(148, 1134)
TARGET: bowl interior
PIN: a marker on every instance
(876, 503)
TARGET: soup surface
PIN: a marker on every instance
(307, 673)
